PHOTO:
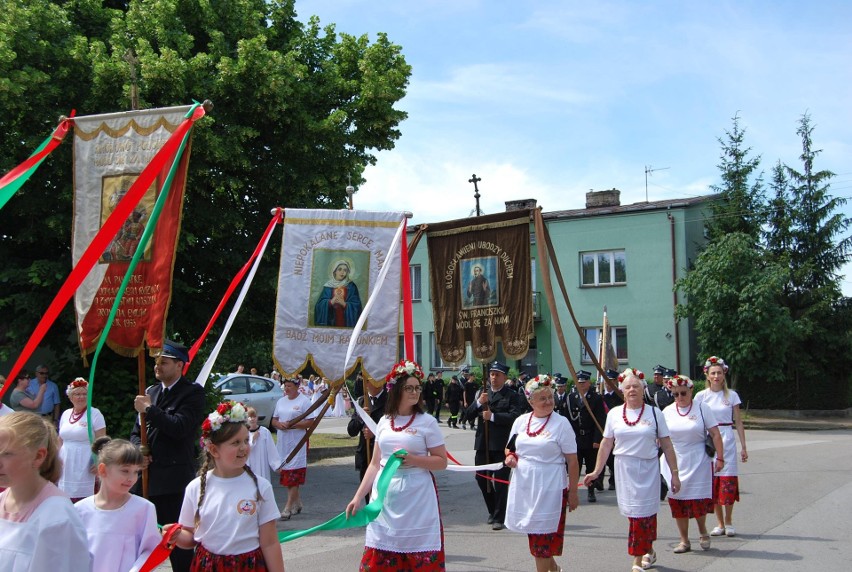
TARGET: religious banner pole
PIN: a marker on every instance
(143, 429)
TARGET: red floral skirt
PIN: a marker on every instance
(294, 477)
(692, 508)
(726, 490)
(206, 561)
(642, 534)
(550, 544)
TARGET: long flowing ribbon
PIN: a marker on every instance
(102, 239)
(162, 551)
(407, 312)
(15, 179)
(137, 256)
(353, 341)
(364, 516)
(277, 218)
(214, 355)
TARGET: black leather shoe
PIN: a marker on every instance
(592, 497)
(497, 526)
(490, 519)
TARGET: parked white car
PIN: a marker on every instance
(255, 391)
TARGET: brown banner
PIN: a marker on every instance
(481, 285)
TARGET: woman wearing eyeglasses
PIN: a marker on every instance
(407, 533)
(688, 422)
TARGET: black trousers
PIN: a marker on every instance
(495, 494)
(588, 457)
(168, 512)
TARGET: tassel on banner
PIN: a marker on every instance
(103, 238)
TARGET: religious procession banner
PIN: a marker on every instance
(110, 151)
(331, 262)
(481, 285)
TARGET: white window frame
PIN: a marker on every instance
(595, 341)
(418, 347)
(596, 257)
(415, 276)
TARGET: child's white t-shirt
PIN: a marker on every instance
(230, 516)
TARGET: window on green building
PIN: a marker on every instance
(414, 275)
(437, 360)
(619, 342)
(603, 268)
(418, 348)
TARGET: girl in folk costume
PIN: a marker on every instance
(542, 442)
(290, 433)
(725, 404)
(121, 527)
(689, 422)
(77, 480)
(632, 432)
(39, 528)
(228, 513)
(407, 535)
(263, 456)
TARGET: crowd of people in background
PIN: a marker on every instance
(655, 440)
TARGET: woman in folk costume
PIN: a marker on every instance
(632, 432)
(688, 423)
(290, 434)
(725, 403)
(407, 535)
(78, 480)
(541, 443)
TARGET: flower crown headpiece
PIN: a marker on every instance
(714, 360)
(406, 368)
(76, 384)
(226, 412)
(538, 382)
(628, 372)
(679, 380)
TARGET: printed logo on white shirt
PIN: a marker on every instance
(247, 507)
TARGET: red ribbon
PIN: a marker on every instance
(102, 240)
(163, 549)
(55, 139)
(277, 218)
(407, 316)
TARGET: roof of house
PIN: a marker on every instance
(635, 207)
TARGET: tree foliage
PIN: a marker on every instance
(298, 109)
(765, 292)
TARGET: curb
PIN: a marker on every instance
(330, 453)
(788, 425)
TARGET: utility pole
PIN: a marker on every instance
(648, 170)
(474, 179)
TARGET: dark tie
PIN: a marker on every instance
(163, 396)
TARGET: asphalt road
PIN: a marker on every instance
(795, 514)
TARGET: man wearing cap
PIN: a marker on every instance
(496, 406)
(612, 397)
(587, 432)
(174, 410)
(658, 394)
(560, 397)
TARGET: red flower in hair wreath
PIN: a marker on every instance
(407, 368)
(226, 412)
(714, 360)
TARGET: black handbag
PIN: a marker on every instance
(709, 445)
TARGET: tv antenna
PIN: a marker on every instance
(649, 169)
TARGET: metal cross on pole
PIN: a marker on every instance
(475, 180)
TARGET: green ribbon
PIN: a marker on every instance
(364, 516)
(8, 190)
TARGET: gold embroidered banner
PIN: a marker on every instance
(480, 274)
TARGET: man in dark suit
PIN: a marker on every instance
(560, 397)
(612, 398)
(378, 398)
(496, 406)
(174, 410)
(586, 430)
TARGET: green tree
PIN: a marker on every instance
(732, 294)
(298, 108)
(741, 203)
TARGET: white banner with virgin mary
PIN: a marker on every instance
(331, 264)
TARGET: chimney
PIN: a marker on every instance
(597, 199)
(520, 205)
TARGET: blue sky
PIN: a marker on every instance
(551, 99)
